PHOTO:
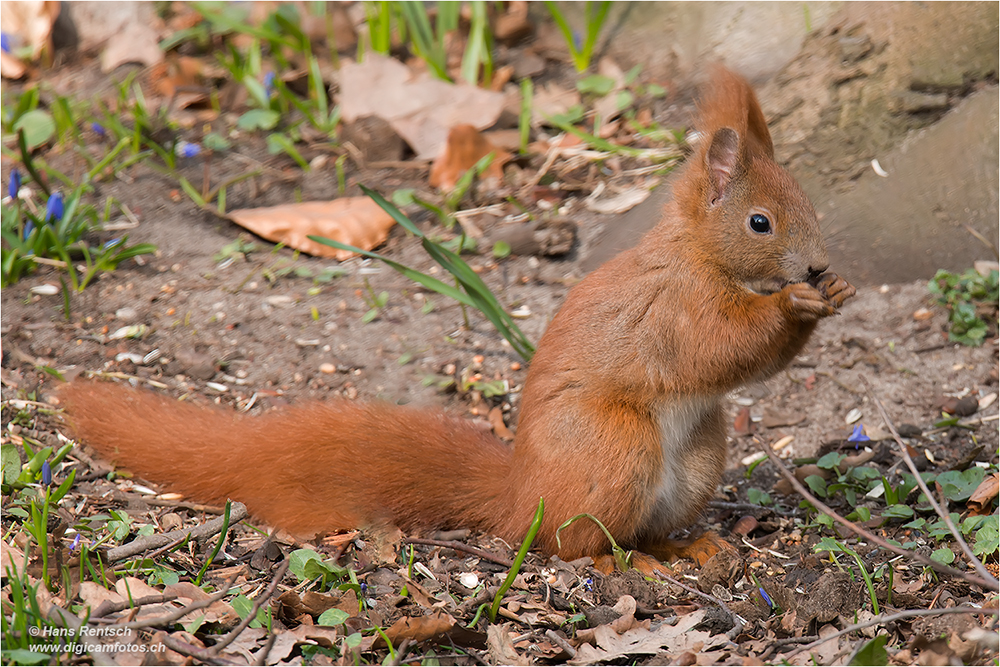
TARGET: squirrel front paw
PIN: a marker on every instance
(821, 298)
(806, 302)
(835, 289)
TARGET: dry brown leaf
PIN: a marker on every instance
(496, 421)
(356, 221)
(417, 592)
(674, 639)
(420, 628)
(187, 593)
(419, 108)
(11, 67)
(11, 560)
(981, 500)
(465, 147)
(513, 25)
(139, 43)
(316, 603)
(551, 100)
(501, 649)
(173, 76)
(128, 32)
(29, 23)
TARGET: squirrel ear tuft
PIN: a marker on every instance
(729, 101)
(721, 159)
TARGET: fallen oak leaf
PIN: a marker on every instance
(356, 221)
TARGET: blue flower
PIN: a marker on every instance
(859, 434)
(14, 186)
(187, 149)
(269, 84)
(76, 543)
(766, 597)
(98, 129)
(5, 42)
(29, 227)
(54, 207)
(46, 473)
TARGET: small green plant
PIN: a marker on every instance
(971, 299)
(623, 558)
(470, 290)
(376, 302)
(594, 15)
(428, 38)
(522, 552)
(834, 547)
(59, 235)
(307, 565)
(536, 523)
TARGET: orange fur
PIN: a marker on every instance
(622, 413)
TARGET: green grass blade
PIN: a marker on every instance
(536, 523)
(427, 281)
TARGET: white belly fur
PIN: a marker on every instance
(677, 421)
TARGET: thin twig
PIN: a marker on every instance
(775, 644)
(108, 607)
(258, 601)
(880, 620)
(992, 581)
(261, 658)
(563, 644)
(177, 613)
(196, 652)
(797, 485)
(207, 529)
(736, 619)
(460, 546)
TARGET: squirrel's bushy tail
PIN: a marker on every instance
(308, 469)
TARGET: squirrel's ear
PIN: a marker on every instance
(758, 136)
(721, 157)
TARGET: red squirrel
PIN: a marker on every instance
(622, 414)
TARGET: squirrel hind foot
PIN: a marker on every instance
(699, 549)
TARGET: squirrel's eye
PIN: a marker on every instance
(760, 224)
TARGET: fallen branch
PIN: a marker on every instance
(460, 546)
(207, 529)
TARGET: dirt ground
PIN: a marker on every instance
(247, 330)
